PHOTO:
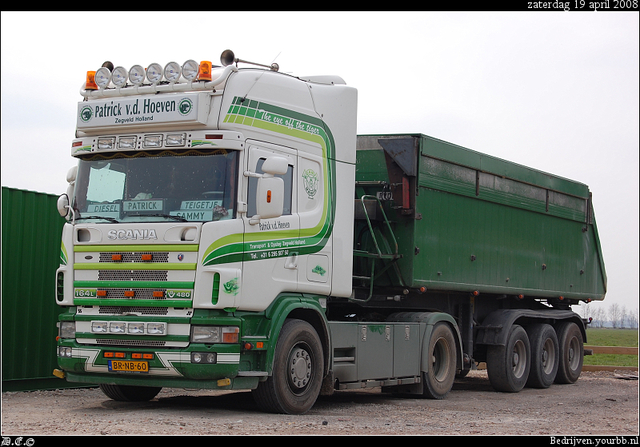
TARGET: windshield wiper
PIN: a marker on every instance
(110, 219)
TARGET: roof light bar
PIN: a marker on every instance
(149, 80)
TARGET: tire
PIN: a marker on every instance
(441, 374)
(508, 366)
(126, 393)
(571, 352)
(296, 378)
(545, 355)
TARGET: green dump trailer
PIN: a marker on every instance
(501, 249)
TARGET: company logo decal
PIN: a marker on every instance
(86, 113)
(185, 106)
(310, 181)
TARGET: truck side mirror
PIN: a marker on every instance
(63, 200)
(63, 205)
(270, 189)
(275, 165)
(269, 197)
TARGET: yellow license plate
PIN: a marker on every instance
(128, 366)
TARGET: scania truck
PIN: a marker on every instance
(227, 229)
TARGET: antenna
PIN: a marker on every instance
(227, 58)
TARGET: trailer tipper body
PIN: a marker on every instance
(227, 229)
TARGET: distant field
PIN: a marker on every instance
(612, 337)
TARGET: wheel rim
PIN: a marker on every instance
(572, 358)
(300, 368)
(548, 356)
(519, 359)
(440, 359)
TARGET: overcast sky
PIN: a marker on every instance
(557, 91)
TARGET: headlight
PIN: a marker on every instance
(176, 139)
(64, 352)
(68, 329)
(106, 143)
(136, 75)
(136, 328)
(119, 76)
(103, 77)
(156, 328)
(190, 70)
(117, 327)
(154, 73)
(172, 72)
(215, 334)
(99, 326)
(152, 141)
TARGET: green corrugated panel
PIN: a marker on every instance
(488, 224)
(31, 229)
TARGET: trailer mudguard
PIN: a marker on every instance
(495, 327)
(429, 320)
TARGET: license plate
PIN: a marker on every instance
(128, 366)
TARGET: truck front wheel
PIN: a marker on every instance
(508, 366)
(439, 378)
(296, 379)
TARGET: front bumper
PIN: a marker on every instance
(165, 367)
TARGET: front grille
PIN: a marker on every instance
(121, 310)
(139, 294)
(134, 343)
(135, 256)
(132, 275)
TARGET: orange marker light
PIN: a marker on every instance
(204, 71)
(116, 257)
(120, 355)
(147, 257)
(147, 356)
(158, 294)
(129, 293)
(91, 81)
(101, 293)
(108, 354)
(269, 196)
(136, 355)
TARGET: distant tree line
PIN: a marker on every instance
(615, 315)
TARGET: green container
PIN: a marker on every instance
(31, 228)
(465, 221)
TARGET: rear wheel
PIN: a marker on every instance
(508, 366)
(126, 393)
(571, 352)
(296, 379)
(544, 355)
(438, 380)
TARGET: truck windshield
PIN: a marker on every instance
(191, 185)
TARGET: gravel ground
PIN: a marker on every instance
(598, 404)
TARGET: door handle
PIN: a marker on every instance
(291, 262)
